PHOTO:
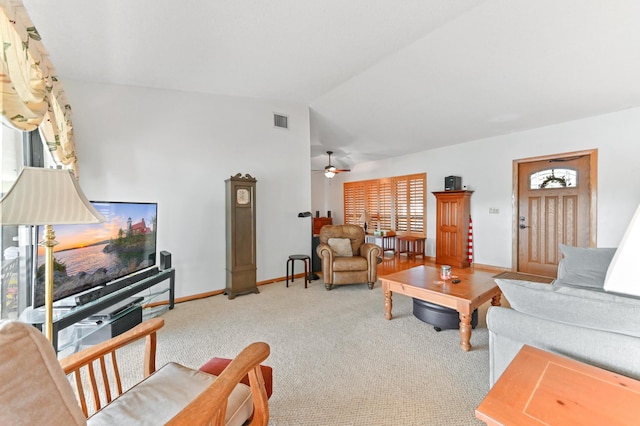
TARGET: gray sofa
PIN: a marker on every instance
(574, 317)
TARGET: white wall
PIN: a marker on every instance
(321, 190)
(177, 149)
(486, 167)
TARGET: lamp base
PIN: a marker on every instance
(313, 277)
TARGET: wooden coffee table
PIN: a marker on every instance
(542, 388)
(423, 282)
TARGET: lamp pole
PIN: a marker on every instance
(312, 275)
(49, 242)
(47, 197)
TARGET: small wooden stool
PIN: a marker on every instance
(307, 261)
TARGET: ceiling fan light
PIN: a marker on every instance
(329, 173)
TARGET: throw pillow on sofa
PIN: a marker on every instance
(583, 267)
(586, 308)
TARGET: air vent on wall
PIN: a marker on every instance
(280, 121)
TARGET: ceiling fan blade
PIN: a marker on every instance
(334, 171)
(331, 168)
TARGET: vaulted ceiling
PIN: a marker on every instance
(382, 78)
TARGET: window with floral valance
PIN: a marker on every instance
(32, 96)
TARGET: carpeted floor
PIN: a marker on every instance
(508, 275)
(336, 360)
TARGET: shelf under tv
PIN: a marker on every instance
(64, 318)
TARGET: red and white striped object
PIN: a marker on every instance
(470, 241)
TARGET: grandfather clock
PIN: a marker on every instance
(240, 192)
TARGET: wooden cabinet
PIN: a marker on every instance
(319, 222)
(452, 227)
(240, 235)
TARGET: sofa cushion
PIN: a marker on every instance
(155, 401)
(583, 267)
(340, 246)
(583, 307)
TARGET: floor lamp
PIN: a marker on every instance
(47, 197)
(312, 275)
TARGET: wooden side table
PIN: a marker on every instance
(541, 388)
(389, 243)
(412, 246)
(386, 242)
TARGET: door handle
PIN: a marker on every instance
(523, 226)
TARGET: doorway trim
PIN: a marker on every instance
(593, 194)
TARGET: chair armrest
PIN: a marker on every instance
(509, 330)
(324, 250)
(146, 329)
(371, 252)
(326, 256)
(212, 403)
(84, 360)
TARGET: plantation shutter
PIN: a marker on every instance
(397, 203)
(354, 202)
(417, 204)
(401, 193)
(384, 204)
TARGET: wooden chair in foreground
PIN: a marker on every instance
(36, 388)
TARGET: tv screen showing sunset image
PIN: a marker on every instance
(92, 255)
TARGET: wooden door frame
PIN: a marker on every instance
(593, 193)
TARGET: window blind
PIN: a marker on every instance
(395, 203)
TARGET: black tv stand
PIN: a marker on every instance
(82, 312)
(100, 292)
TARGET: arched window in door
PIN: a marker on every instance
(553, 178)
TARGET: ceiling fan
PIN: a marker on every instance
(330, 171)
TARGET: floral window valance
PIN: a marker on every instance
(32, 95)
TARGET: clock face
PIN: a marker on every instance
(242, 196)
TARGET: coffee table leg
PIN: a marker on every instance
(465, 331)
(387, 301)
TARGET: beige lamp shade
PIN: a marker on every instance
(622, 274)
(46, 197)
(365, 218)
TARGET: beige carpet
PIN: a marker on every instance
(336, 360)
(524, 277)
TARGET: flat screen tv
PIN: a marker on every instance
(94, 255)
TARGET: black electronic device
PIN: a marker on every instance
(115, 286)
(105, 332)
(115, 309)
(165, 260)
(452, 183)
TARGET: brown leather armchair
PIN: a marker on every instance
(346, 258)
